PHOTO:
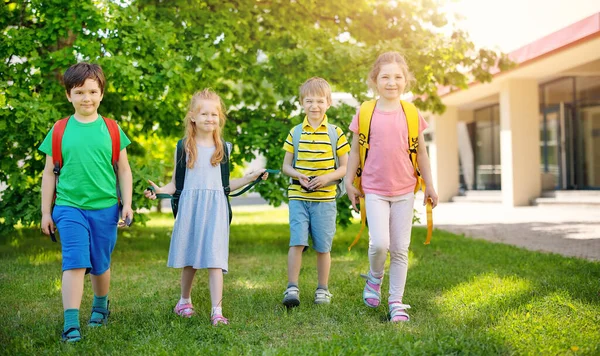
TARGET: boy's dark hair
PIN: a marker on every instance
(77, 74)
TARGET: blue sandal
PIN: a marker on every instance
(67, 337)
(94, 322)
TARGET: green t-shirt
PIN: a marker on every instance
(87, 179)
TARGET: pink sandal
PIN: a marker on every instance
(218, 319)
(372, 290)
(184, 310)
(398, 312)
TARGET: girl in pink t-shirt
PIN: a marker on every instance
(388, 182)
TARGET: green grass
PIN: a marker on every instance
(467, 296)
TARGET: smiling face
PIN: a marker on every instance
(208, 116)
(315, 106)
(391, 81)
(86, 99)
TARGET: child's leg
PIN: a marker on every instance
(72, 288)
(72, 292)
(187, 277)
(100, 286)
(378, 215)
(323, 267)
(184, 305)
(101, 283)
(215, 283)
(400, 229)
(294, 264)
(322, 228)
(103, 238)
(75, 248)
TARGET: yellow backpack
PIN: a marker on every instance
(412, 119)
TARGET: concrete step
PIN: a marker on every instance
(479, 196)
(568, 198)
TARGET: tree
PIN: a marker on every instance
(156, 54)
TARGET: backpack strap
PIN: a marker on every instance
(227, 146)
(180, 168)
(365, 115)
(333, 138)
(115, 137)
(412, 120)
(296, 133)
(57, 135)
(57, 159)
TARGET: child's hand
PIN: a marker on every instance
(318, 182)
(126, 215)
(304, 180)
(354, 195)
(149, 193)
(253, 175)
(48, 224)
(430, 194)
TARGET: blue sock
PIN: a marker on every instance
(71, 321)
(290, 284)
(99, 302)
(322, 287)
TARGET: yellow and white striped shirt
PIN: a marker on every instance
(315, 158)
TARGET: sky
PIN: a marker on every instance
(515, 23)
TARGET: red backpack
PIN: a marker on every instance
(57, 135)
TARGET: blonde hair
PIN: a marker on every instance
(190, 128)
(386, 58)
(316, 86)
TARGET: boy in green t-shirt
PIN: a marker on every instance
(86, 211)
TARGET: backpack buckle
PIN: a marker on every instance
(56, 170)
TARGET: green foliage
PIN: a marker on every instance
(467, 297)
(156, 54)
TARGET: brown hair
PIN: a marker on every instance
(77, 74)
(315, 86)
(386, 58)
(190, 128)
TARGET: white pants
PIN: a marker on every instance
(390, 224)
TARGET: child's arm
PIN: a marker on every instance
(339, 173)
(425, 168)
(289, 171)
(353, 162)
(248, 178)
(48, 187)
(126, 185)
(170, 188)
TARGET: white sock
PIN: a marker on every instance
(217, 311)
(185, 300)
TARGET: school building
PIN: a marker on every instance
(532, 129)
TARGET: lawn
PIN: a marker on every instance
(468, 297)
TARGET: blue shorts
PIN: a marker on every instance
(316, 218)
(87, 237)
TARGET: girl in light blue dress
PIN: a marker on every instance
(201, 233)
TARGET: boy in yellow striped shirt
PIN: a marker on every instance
(311, 151)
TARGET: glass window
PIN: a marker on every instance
(487, 148)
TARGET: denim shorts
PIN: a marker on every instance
(314, 218)
(87, 237)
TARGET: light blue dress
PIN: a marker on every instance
(201, 232)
